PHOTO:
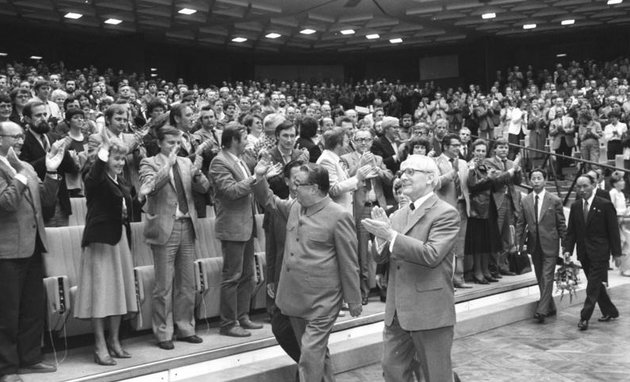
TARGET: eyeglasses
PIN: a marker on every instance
(412, 171)
(298, 185)
(363, 140)
(15, 136)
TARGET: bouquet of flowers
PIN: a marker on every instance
(566, 277)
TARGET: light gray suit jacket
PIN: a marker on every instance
(551, 224)
(420, 287)
(341, 185)
(446, 187)
(360, 194)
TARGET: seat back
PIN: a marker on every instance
(140, 251)
(259, 240)
(207, 245)
(64, 252)
(79, 211)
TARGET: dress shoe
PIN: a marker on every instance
(583, 324)
(234, 331)
(192, 339)
(507, 273)
(246, 323)
(552, 313)
(540, 318)
(383, 298)
(118, 354)
(496, 275)
(608, 317)
(39, 367)
(166, 345)
(364, 301)
(491, 279)
(105, 360)
(480, 281)
(341, 314)
(344, 306)
(10, 378)
(461, 285)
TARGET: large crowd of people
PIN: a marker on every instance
(327, 164)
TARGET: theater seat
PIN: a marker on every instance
(79, 211)
(144, 277)
(208, 287)
(62, 264)
(259, 295)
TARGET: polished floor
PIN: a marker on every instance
(530, 352)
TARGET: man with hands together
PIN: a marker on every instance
(320, 266)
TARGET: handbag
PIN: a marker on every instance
(518, 261)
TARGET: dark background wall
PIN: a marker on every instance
(478, 59)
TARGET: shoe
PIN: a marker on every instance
(460, 285)
(192, 339)
(344, 306)
(246, 323)
(507, 273)
(496, 275)
(540, 318)
(480, 281)
(341, 314)
(11, 378)
(122, 354)
(583, 325)
(39, 367)
(166, 345)
(107, 360)
(364, 301)
(491, 279)
(234, 331)
(552, 313)
(608, 317)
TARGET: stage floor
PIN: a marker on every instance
(77, 363)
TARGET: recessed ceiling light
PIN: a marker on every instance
(113, 21)
(2, 54)
(73, 16)
(561, 55)
(373, 36)
(36, 57)
(529, 26)
(239, 39)
(154, 69)
(153, 74)
(396, 40)
(567, 22)
(308, 31)
(614, 2)
(489, 15)
(187, 11)
(273, 35)
(347, 31)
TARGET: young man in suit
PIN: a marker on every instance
(236, 228)
(170, 229)
(541, 226)
(452, 187)
(320, 266)
(368, 194)
(594, 230)
(420, 307)
(23, 240)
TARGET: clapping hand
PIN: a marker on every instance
(172, 156)
(264, 168)
(146, 189)
(55, 156)
(14, 161)
(304, 155)
(379, 224)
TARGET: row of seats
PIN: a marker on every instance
(62, 267)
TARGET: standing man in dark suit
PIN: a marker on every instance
(541, 225)
(386, 145)
(22, 242)
(506, 200)
(369, 193)
(236, 228)
(320, 266)
(594, 230)
(420, 306)
(170, 228)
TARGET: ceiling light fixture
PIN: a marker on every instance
(73, 16)
(347, 32)
(614, 2)
(239, 39)
(187, 11)
(2, 54)
(529, 26)
(113, 21)
(273, 35)
(561, 55)
(308, 31)
(488, 16)
(567, 22)
(154, 69)
(373, 36)
(396, 40)
(36, 57)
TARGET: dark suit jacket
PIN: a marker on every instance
(104, 220)
(420, 287)
(277, 183)
(596, 238)
(314, 151)
(21, 205)
(383, 148)
(551, 224)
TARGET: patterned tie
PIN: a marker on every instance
(179, 188)
(458, 186)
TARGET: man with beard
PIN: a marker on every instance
(37, 143)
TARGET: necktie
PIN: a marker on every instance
(458, 186)
(179, 188)
(44, 143)
(465, 152)
(504, 161)
(585, 210)
(536, 211)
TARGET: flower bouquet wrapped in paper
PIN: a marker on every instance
(566, 277)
